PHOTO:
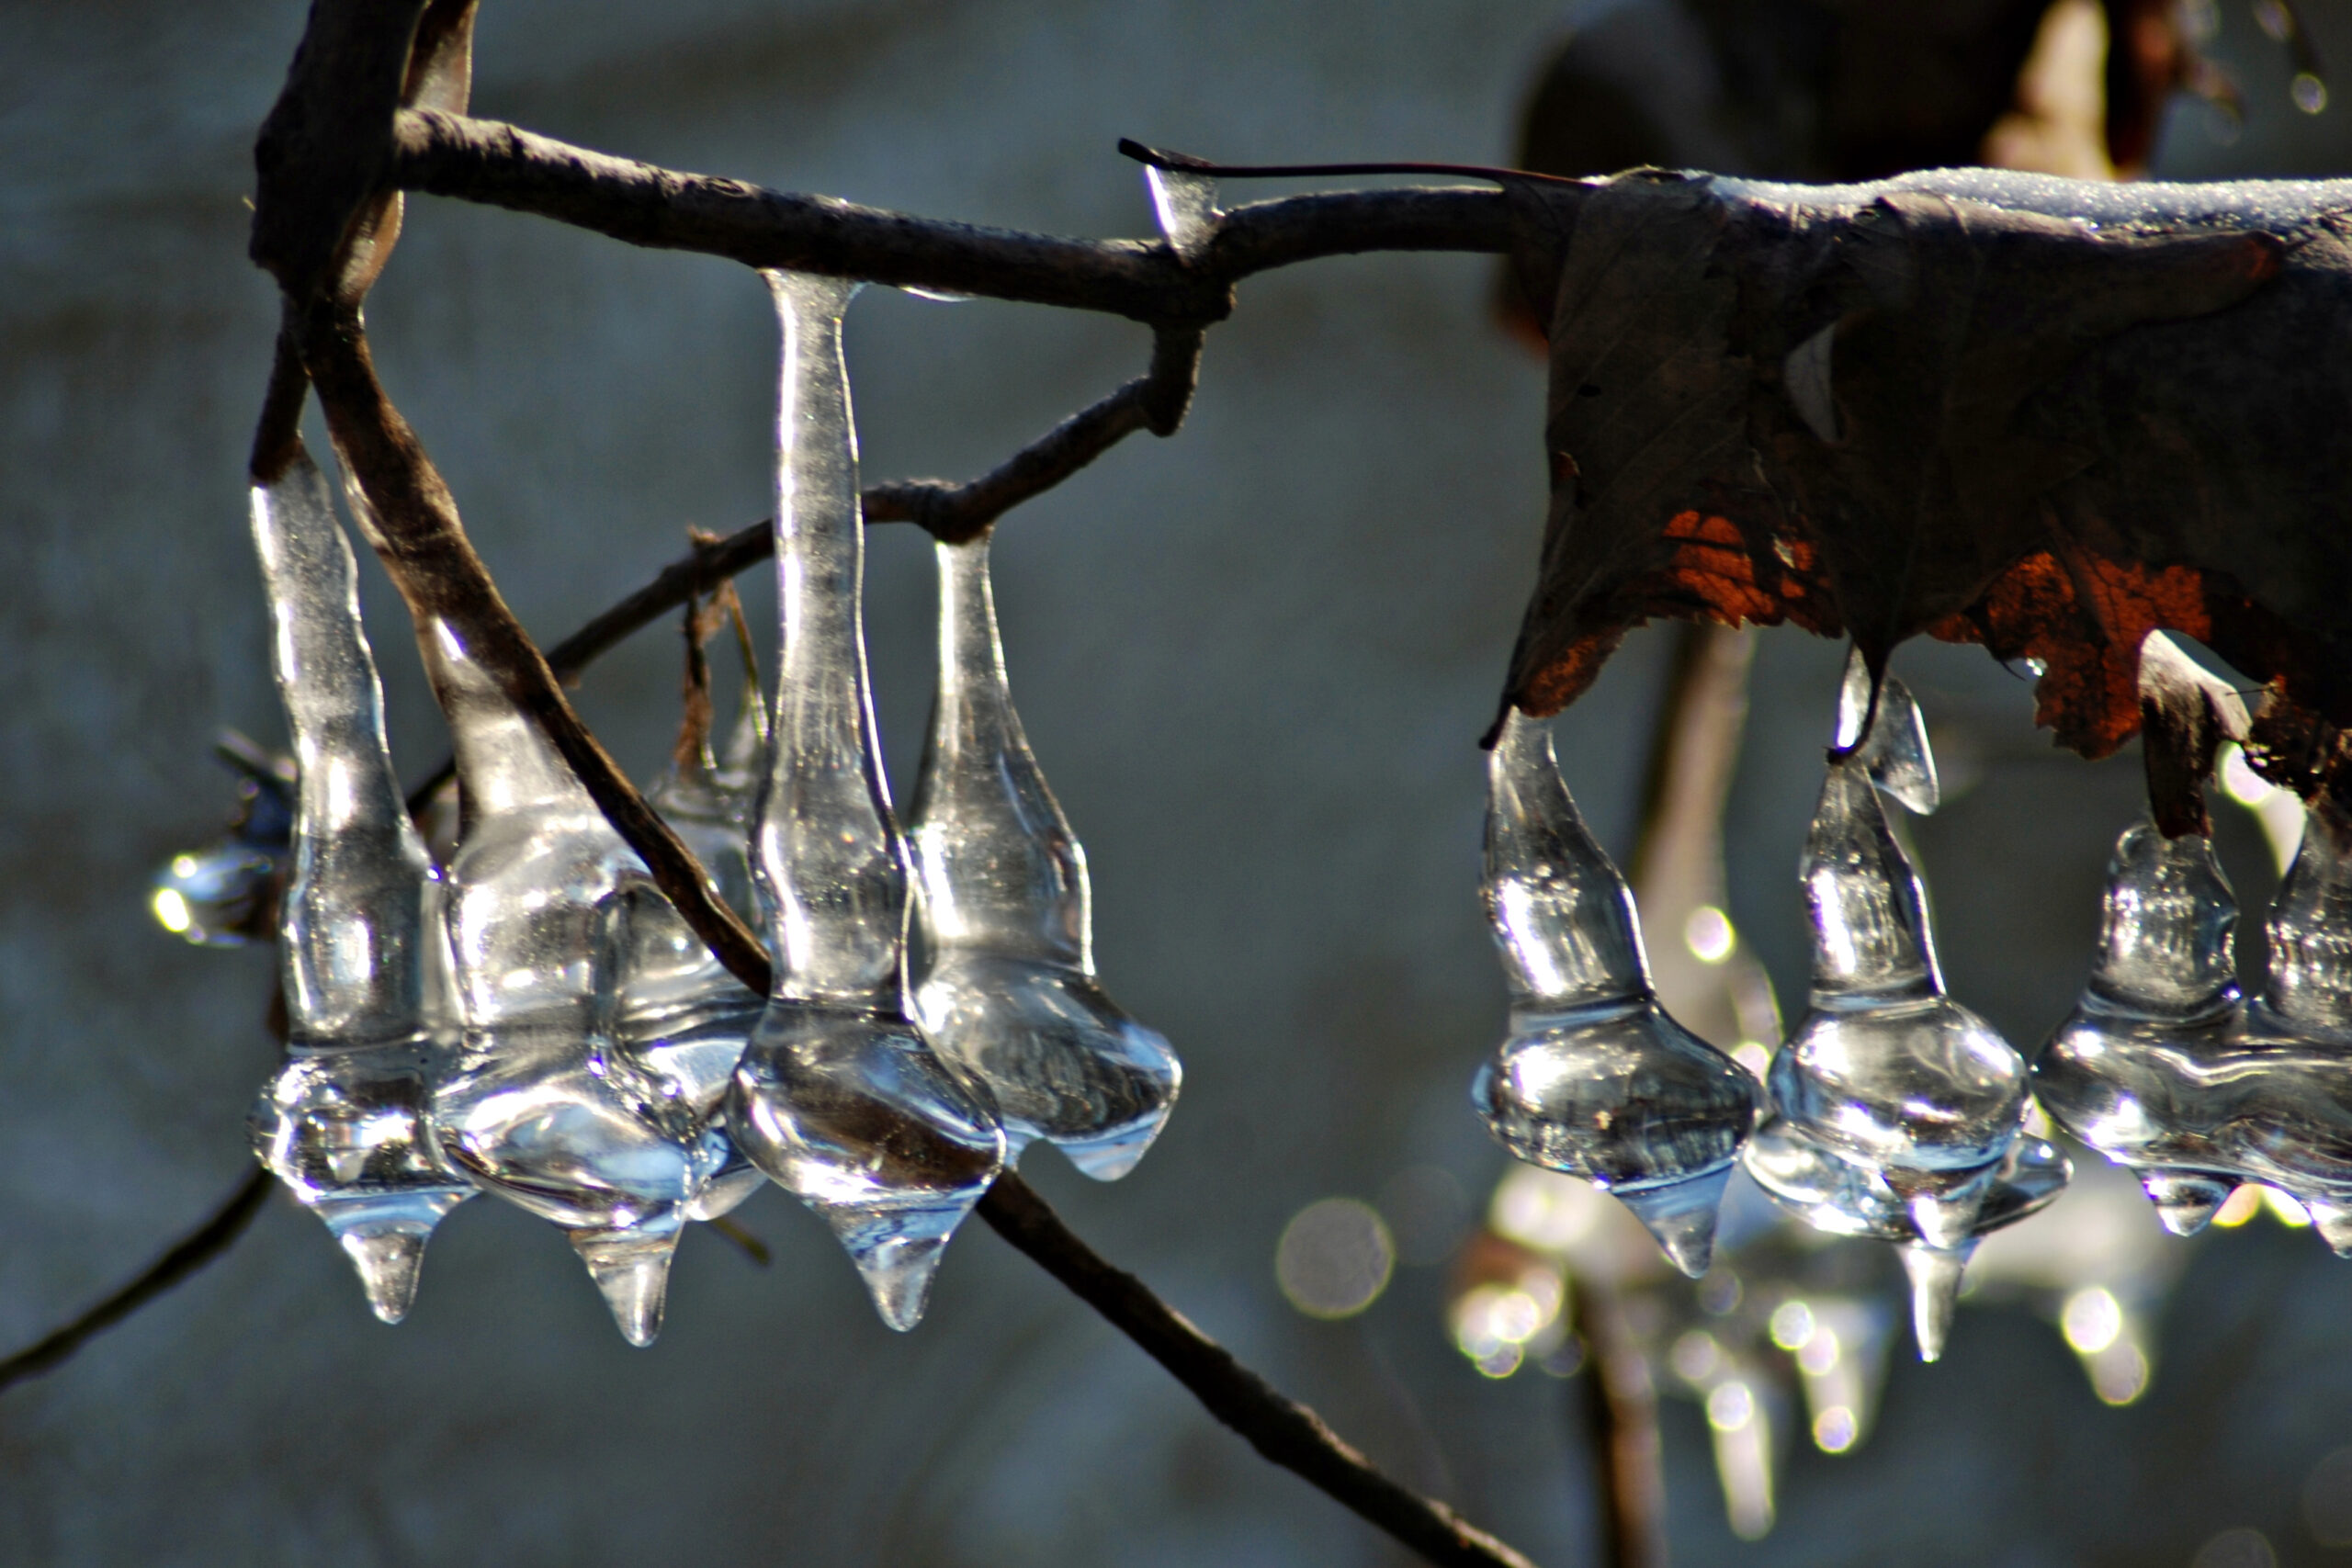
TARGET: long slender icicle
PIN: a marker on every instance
(839, 1098)
(342, 1124)
(1595, 1079)
(1010, 994)
(551, 1105)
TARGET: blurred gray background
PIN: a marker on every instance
(1254, 660)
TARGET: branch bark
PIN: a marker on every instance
(1279, 1427)
(449, 154)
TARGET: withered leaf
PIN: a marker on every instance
(1884, 410)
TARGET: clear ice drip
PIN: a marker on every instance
(839, 1098)
(1846, 1197)
(342, 1124)
(1184, 203)
(680, 1009)
(1008, 992)
(2163, 1068)
(2131, 1072)
(1885, 1069)
(553, 1103)
(1595, 1079)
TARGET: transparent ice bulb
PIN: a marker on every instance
(1835, 1193)
(342, 1124)
(1595, 1079)
(839, 1098)
(2147, 1068)
(1885, 1069)
(1008, 992)
(558, 1102)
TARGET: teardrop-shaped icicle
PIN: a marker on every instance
(2147, 1069)
(839, 1098)
(1884, 1067)
(551, 1104)
(2186, 1200)
(1008, 992)
(342, 1124)
(1935, 1274)
(1184, 202)
(1595, 1079)
(631, 1268)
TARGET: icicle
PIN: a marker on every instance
(2130, 1072)
(552, 1105)
(1885, 1069)
(1833, 1192)
(839, 1098)
(1010, 994)
(1184, 202)
(342, 1124)
(1595, 1079)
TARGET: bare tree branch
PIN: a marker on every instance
(449, 154)
(1278, 1426)
(192, 1252)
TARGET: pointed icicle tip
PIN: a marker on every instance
(388, 1262)
(1681, 1216)
(2333, 1220)
(898, 1266)
(1896, 750)
(1948, 1220)
(632, 1272)
(1935, 1274)
(2186, 1199)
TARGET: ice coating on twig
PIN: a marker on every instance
(1595, 1079)
(1885, 1069)
(1009, 991)
(839, 1098)
(342, 1124)
(551, 1105)
(1184, 203)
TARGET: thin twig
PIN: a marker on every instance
(1278, 1426)
(484, 161)
(201, 1247)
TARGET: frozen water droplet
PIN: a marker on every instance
(2186, 1199)
(631, 1268)
(1010, 993)
(1595, 1079)
(839, 1096)
(1846, 1197)
(343, 1122)
(2332, 1216)
(1184, 203)
(388, 1252)
(1884, 1068)
(1935, 1274)
(1897, 754)
(1681, 1216)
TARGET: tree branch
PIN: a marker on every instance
(1279, 1427)
(201, 1247)
(449, 154)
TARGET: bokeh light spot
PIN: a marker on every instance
(1334, 1258)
